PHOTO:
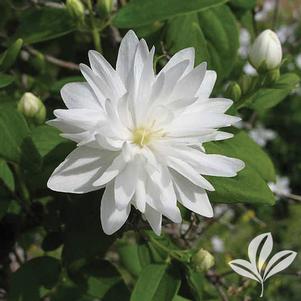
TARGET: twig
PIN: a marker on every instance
(54, 60)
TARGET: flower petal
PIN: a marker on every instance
(79, 170)
(126, 55)
(191, 196)
(79, 96)
(111, 218)
(154, 218)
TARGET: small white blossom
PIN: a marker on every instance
(244, 40)
(281, 187)
(267, 8)
(218, 244)
(262, 135)
(266, 51)
(139, 135)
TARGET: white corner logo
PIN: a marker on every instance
(259, 268)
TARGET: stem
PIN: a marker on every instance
(262, 289)
(95, 32)
(162, 247)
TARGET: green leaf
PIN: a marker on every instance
(46, 138)
(13, 131)
(156, 283)
(129, 258)
(180, 298)
(101, 280)
(221, 31)
(185, 31)
(241, 146)
(44, 24)
(141, 12)
(85, 239)
(245, 4)
(196, 282)
(249, 185)
(213, 33)
(27, 281)
(6, 80)
(266, 98)
(6, 175)
(10, 55)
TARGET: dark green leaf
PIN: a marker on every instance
(196, 283)
(102, 280)
(185, 31)
(6, 80)
(141, 12)
(213, 33)
(6, 175)
(84, 238)
(28, 280)
(13, 131)
(10, 55)
(44, 24)
(241, 146)
(249, 185)
(246, 4)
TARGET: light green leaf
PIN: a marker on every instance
(129, 258)
(44, 24)
(141, 12)
(10, 55)
(27, 281)
(6, 80)
(46, 138)
(266, 98)
(156, 283)
(6, 175)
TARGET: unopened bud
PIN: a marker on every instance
(105, 6)
(76, 10)
(246, 83)
(233, 91)
(32, 108)
(273, 75)
(266, 52)
(202, 261)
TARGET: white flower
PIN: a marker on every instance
(140, 135)
(217, 244)
(281, 187)
(266, 51)
(262, 135)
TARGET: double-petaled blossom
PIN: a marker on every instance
(140, 135)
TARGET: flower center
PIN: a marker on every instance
(143, 136)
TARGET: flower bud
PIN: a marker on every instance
(76, 10)
(233, 91)
(266, 52)
(105, 6)
(32, 108)
(246, 83)
(202, 260)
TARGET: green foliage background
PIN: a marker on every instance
(51, 244)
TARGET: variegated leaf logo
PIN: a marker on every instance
(259, 267)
